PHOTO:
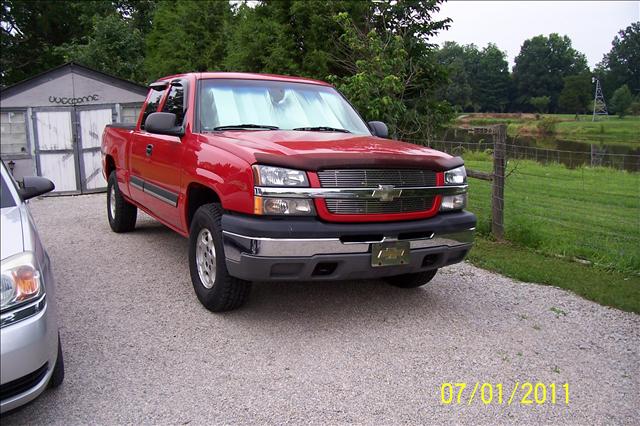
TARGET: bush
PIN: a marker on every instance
(540, 103)
(621, 101)
(547, 126)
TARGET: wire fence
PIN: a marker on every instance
(587, 211)
(595, 156)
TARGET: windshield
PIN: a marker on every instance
(6, 198)
(275, 104)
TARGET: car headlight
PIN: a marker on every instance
(278, 176)
(457, 176)
(20, 281)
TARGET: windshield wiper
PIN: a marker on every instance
(322, 129)
(246, 126)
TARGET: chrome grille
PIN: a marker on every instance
(399, 205)
(371, 178)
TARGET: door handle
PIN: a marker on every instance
(149, 150)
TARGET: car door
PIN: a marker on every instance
(138, 158)
(163, 173)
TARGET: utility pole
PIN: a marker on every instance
(599, 106)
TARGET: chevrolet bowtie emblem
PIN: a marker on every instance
(386, 192)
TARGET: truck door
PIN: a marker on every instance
(163, 173)
(138, 160)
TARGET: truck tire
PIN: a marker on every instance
(122, 214)
(58, 371)
(216, 289)
(417, 279)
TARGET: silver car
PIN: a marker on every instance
(30, 351)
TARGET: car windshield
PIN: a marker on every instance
(6, 198)
(270, 105)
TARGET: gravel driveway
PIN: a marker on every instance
(139, 348)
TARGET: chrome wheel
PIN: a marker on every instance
(206, 258)
(112, 202)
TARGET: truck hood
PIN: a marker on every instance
(320, 150)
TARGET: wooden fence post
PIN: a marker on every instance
(497, 199)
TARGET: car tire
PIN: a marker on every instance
(57, 377)
(215, 288)
(417, 279)
(122, 214)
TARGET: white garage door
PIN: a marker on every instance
(92, 123)
(55, 148)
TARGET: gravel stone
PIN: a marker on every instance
(140, 349)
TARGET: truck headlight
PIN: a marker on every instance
(278, 176)
(283, 206)
(20, 281)
(457, 176)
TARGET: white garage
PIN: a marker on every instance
(51, 124)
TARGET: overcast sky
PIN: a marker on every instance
(591, 25)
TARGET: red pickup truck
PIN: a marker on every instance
(279, 178)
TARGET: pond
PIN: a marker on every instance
(572, 153)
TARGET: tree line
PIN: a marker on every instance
(379, 54)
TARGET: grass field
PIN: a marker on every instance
(587, 218)
(586, 213)
(609, 130)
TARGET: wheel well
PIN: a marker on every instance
(198, 195)
(110, 165)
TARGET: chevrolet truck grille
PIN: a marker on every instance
(373, 178)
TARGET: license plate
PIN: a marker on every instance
(390, 254)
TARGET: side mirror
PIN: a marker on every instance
(32, 186)
(379, 129)
(163, 123)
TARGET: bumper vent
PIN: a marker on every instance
(371, 178)
(22, 384)
(400, 205)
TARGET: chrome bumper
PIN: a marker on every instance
(236, 245)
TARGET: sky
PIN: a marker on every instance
(591, 25)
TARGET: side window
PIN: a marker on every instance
(152, 104)
(175, 103)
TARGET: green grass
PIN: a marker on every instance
(605, 287)
(588, 214)
(609, 130)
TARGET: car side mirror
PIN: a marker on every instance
(379, 129)
(163, 123)
(32, 186)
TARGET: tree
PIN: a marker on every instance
(621, 101)
(541, 66)
(188, 36)
(622, 64)
(291, 37)
(479, 80)
(576, 94)
(30, 31)
(540, 103)
(393, 73)
(114, 47)
(492, 80)
(458, 90)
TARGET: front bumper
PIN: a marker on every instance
(259, 249)
(28, 355)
